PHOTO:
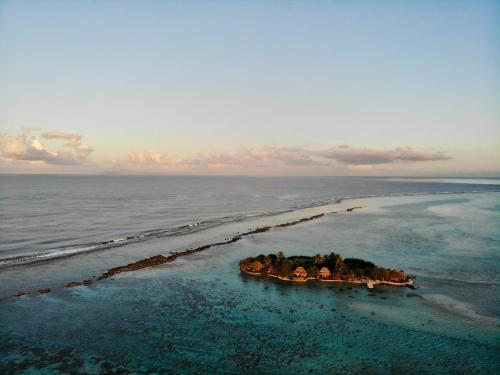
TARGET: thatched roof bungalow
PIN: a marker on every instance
(300, 272)
(396, 276)
(324, 273)
(255, 266)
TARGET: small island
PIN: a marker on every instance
(326, 268)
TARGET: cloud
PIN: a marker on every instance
(360, 168)
(72, 138)
(293, 156)
(145, 157)
(264, 156)
(28, 147)
(414, 154)
(364, 156)
(361, 159)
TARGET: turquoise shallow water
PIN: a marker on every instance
(200, 315)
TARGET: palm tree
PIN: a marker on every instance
(318, 259)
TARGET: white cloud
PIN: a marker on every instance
(364, 156)
(28, 147)
(146, 157)
(72, 138)
(264, 156)
(70, 150)
(273, 156)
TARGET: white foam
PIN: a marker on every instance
(65, 251)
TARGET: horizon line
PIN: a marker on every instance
(254, 176)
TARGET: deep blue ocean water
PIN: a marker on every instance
(200, 315)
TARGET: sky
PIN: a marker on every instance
(250, 87)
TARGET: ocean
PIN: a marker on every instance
(198, 314)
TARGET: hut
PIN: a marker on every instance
(324, 273)
(397, 276)
(300, 272)
(255, 266)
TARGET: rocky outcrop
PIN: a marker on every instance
(148, 262)
(353, 208)
(20, 293)
(71, 284)
(292, 223)
(258, 230)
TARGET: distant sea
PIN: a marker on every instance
(200, 315)
(48, 216)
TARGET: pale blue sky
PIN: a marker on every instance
(182, 77)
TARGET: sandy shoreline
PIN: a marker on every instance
(370, 284)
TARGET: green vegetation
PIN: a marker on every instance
(328, 267)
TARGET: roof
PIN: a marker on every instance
(300, 271)
(397, 276)
(324, 271)
(256, 265)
